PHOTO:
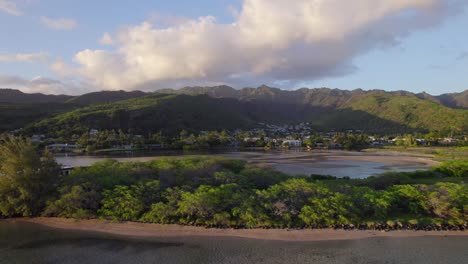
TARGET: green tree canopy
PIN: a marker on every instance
(27, 178)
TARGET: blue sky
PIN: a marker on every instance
(431, 58)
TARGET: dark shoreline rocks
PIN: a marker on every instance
(405, 227)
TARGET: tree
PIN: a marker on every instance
(129, 202)
(285, 200)
(327, 211)
(122, 203)
(27, 179)
(78, 201)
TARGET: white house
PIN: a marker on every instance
(293, 143)
(93, 132)
(61, 147)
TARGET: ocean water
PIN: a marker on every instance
(30, 243)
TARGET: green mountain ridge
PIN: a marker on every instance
(222, 107)
(16, 96)
(377, 113)
(314, 96)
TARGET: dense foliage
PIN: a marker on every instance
(27, 179)
(229, 193)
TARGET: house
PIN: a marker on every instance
(66, 170)
(293, 143)
(449, 141)
(62, 147)
(93, 132)
(37, 138)
(421, 141)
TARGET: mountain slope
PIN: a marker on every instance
(169, 113)
(454, 100)
(321, 97)
(18, 115)
(15, 96)
(376, 112)
(105, 97)
(411, 112)
(222, 107)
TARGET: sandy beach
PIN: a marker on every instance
(166, 231)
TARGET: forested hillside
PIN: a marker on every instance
(222, 107)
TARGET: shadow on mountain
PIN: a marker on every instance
(325, 118)
(173, 113)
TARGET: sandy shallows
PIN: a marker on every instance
(154, 230)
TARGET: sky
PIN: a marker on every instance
(74, 47)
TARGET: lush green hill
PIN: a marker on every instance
(18, 109)
(17, 115)
(169, 113)
(105, 97)
(222, 107)
(374, 112)
(411, 112)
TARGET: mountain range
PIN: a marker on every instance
(223, 107)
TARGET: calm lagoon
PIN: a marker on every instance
(335, 163)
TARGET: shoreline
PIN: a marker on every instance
(146, 230)
(384, 160)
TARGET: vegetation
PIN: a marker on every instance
(218, 108)
(27, 179)
(217, 192)
(17, 115)
(167, 113)
(411, 112)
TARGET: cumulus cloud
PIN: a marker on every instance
(24, 57)
(59, 23)
(270, 41)
(43, 85)
(62, 68)
(9, 7)
(106, 39)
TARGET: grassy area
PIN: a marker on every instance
(440, 152)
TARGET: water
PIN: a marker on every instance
(336, 163)
(29, 243)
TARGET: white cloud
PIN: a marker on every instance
(270, 41)
(24, 57)
(9, 7)
(232, 10)
(59, 23)
(106, 39)
(63, 69)
(44, 85)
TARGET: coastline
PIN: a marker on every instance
(135, 229)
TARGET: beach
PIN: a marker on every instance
(170, 231)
